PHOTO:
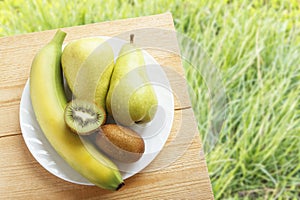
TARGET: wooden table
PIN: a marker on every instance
(22, 177)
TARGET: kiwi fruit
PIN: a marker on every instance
(84, 117)
(120, 143)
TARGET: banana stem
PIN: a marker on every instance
(59, 37)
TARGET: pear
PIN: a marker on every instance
(131, 97)
(87, 65)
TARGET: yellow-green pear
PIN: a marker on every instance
(87, 65)
(131, 97)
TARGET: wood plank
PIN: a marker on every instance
(184, 175)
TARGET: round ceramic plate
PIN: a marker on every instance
(155, 133)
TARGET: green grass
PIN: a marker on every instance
(255, 45)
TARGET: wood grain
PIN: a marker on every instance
(179, 172)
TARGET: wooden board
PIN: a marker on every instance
(183, 176)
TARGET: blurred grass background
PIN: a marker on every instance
(256, 47)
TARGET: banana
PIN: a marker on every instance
(49, 101)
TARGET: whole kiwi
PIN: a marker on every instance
(120, 143)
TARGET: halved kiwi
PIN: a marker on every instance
(84, 117)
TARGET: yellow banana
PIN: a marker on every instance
(48, 101)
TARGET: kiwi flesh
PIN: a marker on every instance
(84, 117)
(120, 143)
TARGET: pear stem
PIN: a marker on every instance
(131, 38)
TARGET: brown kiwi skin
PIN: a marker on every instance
(120, 143)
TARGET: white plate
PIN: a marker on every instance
(154, 133)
